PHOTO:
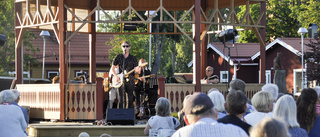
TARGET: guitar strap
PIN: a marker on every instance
(124, 83)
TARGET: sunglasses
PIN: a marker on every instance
(125, 46)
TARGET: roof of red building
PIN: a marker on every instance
(78, 48)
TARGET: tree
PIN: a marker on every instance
(7, 28)
(281, 20)
(313, 60)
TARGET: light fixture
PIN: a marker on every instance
(302, 31)
(44, 34)
(227, 35)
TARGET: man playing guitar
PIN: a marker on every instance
(125, 62)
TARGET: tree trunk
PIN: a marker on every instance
(157, 59)
(173, 56)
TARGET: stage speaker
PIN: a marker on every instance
(121, 116)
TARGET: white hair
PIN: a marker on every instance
(218, 100)
(286, 109)
(7, 96)
(84, 134)
(262, 101)
(16, 93)
(273, 89)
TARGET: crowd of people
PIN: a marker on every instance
(266, 114)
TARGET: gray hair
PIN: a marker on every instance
(237, 84)
(16, 93)
(273, 89)
(262, 101)
(105, 135)
(163, 107)
(286, 109)
(218, 100)
(269, 127)
(208, 113)
(7, 96)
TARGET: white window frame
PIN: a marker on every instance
(295, 90)
(268, 76)
(221, 76)
(24, 73)
(49, 72)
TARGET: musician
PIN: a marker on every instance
(210, 78)
(142, 83)
(126, 62)
(113, 93)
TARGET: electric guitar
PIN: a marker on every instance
(117, 84)
(147, 76)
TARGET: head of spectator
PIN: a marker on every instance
(218, 100)
(198, 106)
(7, 96)
(237, 84)
(181, 113)
(209, 71)
(236, 103)
(306, 107)
(17, 95)
(163, 107)
(317, 89)
(273, 89)
(262, 101)
(269, 127)
(105, 135)
(286, 109)
(84, 134)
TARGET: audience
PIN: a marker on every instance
(269, 127)
(16, 101)
(317, 89)
(163, 118)
(238, 84)
(200, 117)
(12, 121)
(236, 107)
(263, 103)
(286, 110)
(218, 100)
(307, 115)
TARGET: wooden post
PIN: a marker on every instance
(161, 86)
(99, 97)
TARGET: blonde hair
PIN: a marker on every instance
(262, 101)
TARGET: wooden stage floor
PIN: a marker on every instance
(73, 129)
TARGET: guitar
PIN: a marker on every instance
(117, 84)
(147, 76)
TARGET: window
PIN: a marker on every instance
(52, 74)
(78, 72)
(25, 74)
(224, 76)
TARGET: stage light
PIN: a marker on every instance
(227, 35)
(130, 27)
(3, 39)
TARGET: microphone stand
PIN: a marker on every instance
(124, 80)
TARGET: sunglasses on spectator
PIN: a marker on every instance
(125, 46)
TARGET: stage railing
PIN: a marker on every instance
(83, 101)
(176, 92)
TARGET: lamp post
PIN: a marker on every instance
(148, 13)
(44, 34)
(302, 31)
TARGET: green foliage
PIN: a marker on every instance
(313, 59)
(7, 28)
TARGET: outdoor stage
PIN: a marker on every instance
(73, 129)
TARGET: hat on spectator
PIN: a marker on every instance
(197, 104)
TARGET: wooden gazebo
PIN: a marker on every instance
(79, 16)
